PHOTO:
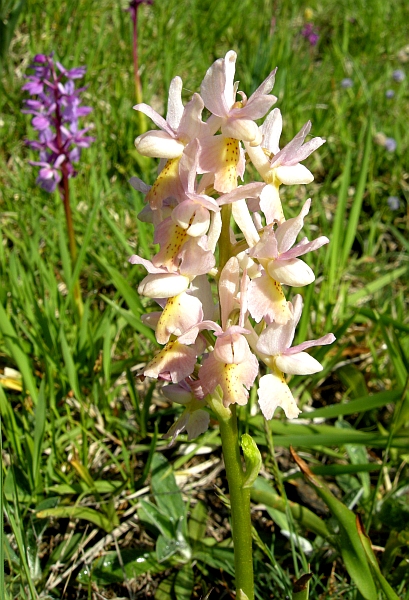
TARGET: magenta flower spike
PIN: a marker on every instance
(225, 253)
(56, 112)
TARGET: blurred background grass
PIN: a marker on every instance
(78, 432)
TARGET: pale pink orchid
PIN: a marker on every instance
(179, 314)
(218, 91)
(175, 361)
(222, 154)
(193, 213)
(180, 252)
(278, 255)
(231, 365)
(281, 166)
(274, 348)
(160, 283)
(182, 124)
(194, 419)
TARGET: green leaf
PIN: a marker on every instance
(252, 459)
(70, 365)
(216, 557)
(151, 514)
(165, 489)
(374, 286)
(367, 546)
(39, 428)
(359, 405)
(353, 220)
(184, 582)
(165, 548)
(108, 569)
(197, 522)
(165, 588)
(77, 512)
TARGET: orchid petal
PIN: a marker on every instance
(242, 217)
(175, 105)
(197, 423)
(158, 144)
(293, 272)
(242, 129)
(191, 124)
(213, 87)
(271, 130)
(139, 185)
(163, 285)
(276, 338)
(287, 233)
(300, 363)
(229, 286)
(322, 341)
(266, 300)
(294, 175)
(271, 206)
(155, 117)
(273, 392)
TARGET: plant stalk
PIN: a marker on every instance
(240, 503)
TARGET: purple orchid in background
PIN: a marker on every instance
(310, 33)
(56, 112)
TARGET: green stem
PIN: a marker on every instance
(224, 241)
(239, 499)
(71, 237)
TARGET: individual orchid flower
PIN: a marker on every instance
(231, 365)
(182, 124)
(222, 154)
(277, 255)
(274, 348)
(160, 283)
(281, 166)
(175, 361)
(236, 119)
(194, 419)
(179, 314)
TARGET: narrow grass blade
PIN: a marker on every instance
(355, 213)
(77, 512)
(374, 286)
(18, 355)
(349, 543)
(367, 546)
(337, 234)
(262, 492)
(39, 428)
(70, 365)
(17, 532)
(359, 405)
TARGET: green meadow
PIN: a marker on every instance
(94, 502)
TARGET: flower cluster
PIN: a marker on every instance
(56, 111)
(310, 33)
(210, 229)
